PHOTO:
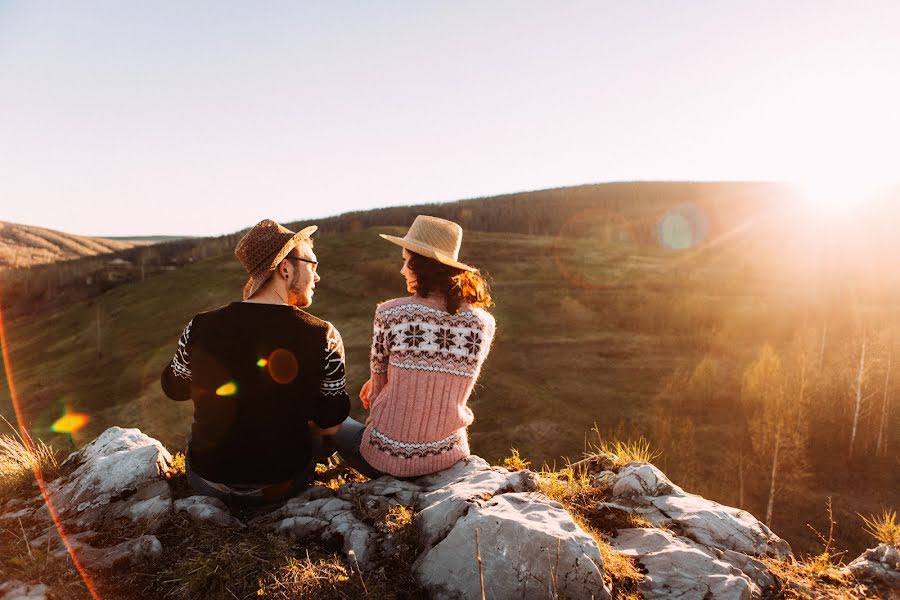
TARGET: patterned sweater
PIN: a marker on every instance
(257, 373)
(424, 363)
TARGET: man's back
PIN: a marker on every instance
(257, 374)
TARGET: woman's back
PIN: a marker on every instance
(424, 364)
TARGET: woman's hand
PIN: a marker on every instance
(364, 393)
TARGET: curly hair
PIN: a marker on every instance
(455, 285)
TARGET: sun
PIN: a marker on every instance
(837, 196)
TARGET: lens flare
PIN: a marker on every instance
(683, 227)
(227, 389)
(42, 485)
(70, 422)
(283, 366)
(262, 362)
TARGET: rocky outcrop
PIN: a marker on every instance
(528, 544)
(880, 566)
(643, 490)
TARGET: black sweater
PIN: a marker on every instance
(257, 373)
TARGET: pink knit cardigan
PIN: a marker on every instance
(424, 363)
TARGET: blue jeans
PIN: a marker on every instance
(347, 441)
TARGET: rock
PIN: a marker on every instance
(16, 590)
(449, 494)
(519, 536)
(325, 517)
(23, 513)
(119, 474)
(679, 568)
(879, 565)
(206, 509)
(144, 549)
(642, 489)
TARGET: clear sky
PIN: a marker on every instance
(200, 118)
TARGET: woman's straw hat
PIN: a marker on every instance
(435, 238)
(263, 247)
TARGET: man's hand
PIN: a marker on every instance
(364, 393)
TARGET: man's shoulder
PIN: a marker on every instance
(311, 321)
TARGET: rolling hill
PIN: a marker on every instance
(635, 309)
(26, 246)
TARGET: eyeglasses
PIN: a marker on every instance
(314, 263)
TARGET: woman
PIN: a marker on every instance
(427, 352)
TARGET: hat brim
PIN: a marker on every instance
(427, 252)
(258, 279)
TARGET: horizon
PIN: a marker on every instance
(119, 119)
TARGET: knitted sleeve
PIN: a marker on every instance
(380, 353)
(334, 403)
(176, 377)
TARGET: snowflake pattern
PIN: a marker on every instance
(418, 337)
(379, 346)
(415, 335)
(445, 338)
(472, 343)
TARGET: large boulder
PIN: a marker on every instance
(642, 489)
(119, 474)
(679, 568)
(529, 545)
(448, 495)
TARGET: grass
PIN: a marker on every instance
(514, 462)
(884, 527)
(19, 462)
(622, 452)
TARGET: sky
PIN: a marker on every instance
(182, 117)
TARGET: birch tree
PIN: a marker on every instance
(858, 398)
(774, 406)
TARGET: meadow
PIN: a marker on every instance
(629, 319)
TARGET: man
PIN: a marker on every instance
(266, 378)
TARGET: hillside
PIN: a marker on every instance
(642, 315)
(26, 246)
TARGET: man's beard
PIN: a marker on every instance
(296, 293)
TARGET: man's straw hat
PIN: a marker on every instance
(435, 238)
(263, 247)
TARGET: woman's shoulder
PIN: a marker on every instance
(486, 318)
(394, 303)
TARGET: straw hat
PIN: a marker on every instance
(435, 238)
(263, 247)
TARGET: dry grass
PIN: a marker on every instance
(884, 527)
(20, 460)
(622, 452)
(177, 468)
(816, 576)
(514, 462)
(571, 486)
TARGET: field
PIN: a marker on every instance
(630, 325)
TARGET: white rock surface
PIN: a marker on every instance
(16, 590)
(879, 565)
(679, 568)
(206, 509)
(119, 474)
(519, 537)
(642, 489)
(324, 517)
(449, 494)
